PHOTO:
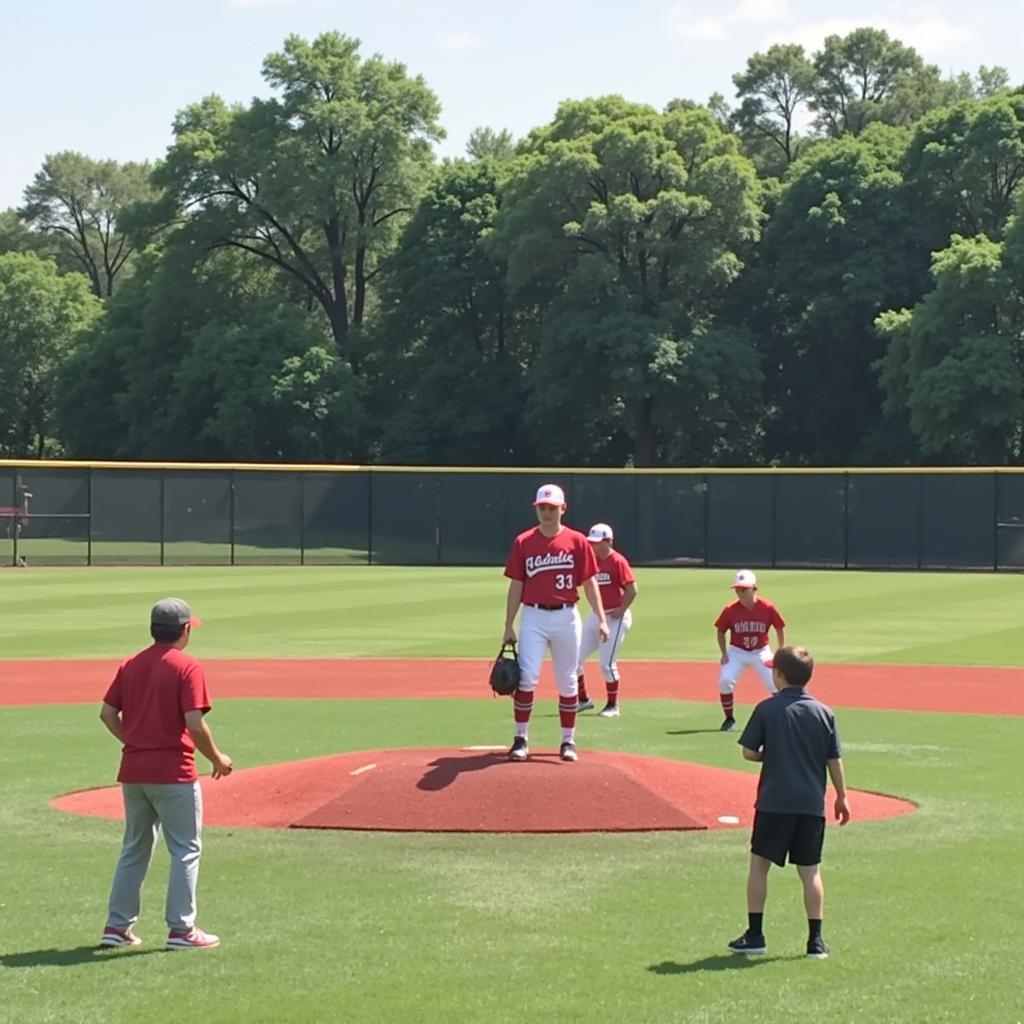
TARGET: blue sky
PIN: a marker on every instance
(106, 78)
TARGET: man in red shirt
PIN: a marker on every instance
(747, 619)
(155, 708)
(545, 567)
(618, 591)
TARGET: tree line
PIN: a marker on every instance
(828, 272)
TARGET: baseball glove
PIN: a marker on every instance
(505, 671)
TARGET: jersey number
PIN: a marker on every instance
(563, 581)
(750, 642)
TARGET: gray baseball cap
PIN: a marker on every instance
(173, 611)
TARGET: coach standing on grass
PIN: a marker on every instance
(794, 738)
(155, 708)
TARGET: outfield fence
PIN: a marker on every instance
(72, 513)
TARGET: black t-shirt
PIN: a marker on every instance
(798, 736)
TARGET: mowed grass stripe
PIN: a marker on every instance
(427, 612)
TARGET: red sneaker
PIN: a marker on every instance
(194, 938)
(119, 937)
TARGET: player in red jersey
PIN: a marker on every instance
(748, 620)
(545, 567)
(618, 591)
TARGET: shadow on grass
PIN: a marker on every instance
(688, 732)
(723, 962)
(71, 957)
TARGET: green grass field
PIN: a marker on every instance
(923, 911)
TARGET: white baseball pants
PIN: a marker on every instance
(560, 631)
(760, 661)
(607, 650)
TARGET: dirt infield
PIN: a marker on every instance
(884, 687)
(472, 790)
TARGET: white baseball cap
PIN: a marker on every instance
(601, 531)
(550, 494)
(744, 578)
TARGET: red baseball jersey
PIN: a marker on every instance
(613, 573)
(153, 689)
(551, 568)
(749, 626)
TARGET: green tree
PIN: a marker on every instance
(486, 143)
(82, 203)
(964, 167)
(954, 362)
(857, 77)
(839, 248)
(452, 348)
(41, 314)
(772, 90)
(316, 181)
(624, 227)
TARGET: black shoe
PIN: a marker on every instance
(728, 725)
(749, 944)
(567, 751)
(817, 950)
(519, 749)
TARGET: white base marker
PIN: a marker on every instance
(485, 748)
(728, 819)
(365, 768)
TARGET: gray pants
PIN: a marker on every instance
(148, 807)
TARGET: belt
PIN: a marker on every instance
(549, 607)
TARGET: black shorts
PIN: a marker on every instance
(800, 835)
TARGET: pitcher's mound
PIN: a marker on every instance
(478, 790)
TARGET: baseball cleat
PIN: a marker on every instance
(609, 711)
(193, 938)
(519, 749)
(567, 751)
(113, 937)
(585, 704)
(728, 725)
(817, 950)
(748, 944)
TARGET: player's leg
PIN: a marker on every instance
(564, 637)
(141, 825)
(805, 853)
(763, 667)
(608, 659)
(180, 807)
(727, 676)
(533, 643)
(589, 641)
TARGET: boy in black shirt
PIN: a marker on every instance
(794, 737)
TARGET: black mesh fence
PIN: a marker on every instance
(77, 515)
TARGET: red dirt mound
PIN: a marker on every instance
(474, 790)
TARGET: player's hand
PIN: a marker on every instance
(615, 613)
(509, 636)
(604, 632)
(842, 809)
(724, 659)
(222, 767)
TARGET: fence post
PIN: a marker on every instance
(88, 521)
(302, 519)
(846, 519)
(163, 512)
(369, 516)
(707, 507)
(920, 520)
(995, 520)
(775, 515)
(231, 513)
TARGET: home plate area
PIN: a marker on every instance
(477, 790)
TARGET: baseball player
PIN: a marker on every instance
(618, 591)
(545, 567)
(747, 619)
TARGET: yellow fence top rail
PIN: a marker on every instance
(554, 471)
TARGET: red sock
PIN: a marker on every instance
(581, 689)
(613, 693)
(727, 704)
(567, 711)
(522, 705)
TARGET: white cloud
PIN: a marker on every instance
(717, 26)
(461, 40)
(930, 36)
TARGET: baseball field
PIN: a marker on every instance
(361, 925)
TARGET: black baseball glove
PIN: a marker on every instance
(505, 671)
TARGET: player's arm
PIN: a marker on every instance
(722, 634)
(111, 718)
(780, 637)
(838, 777)
(203, 739)
(512, 601)
(752, 755)
(593, 594)
(628, 597)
